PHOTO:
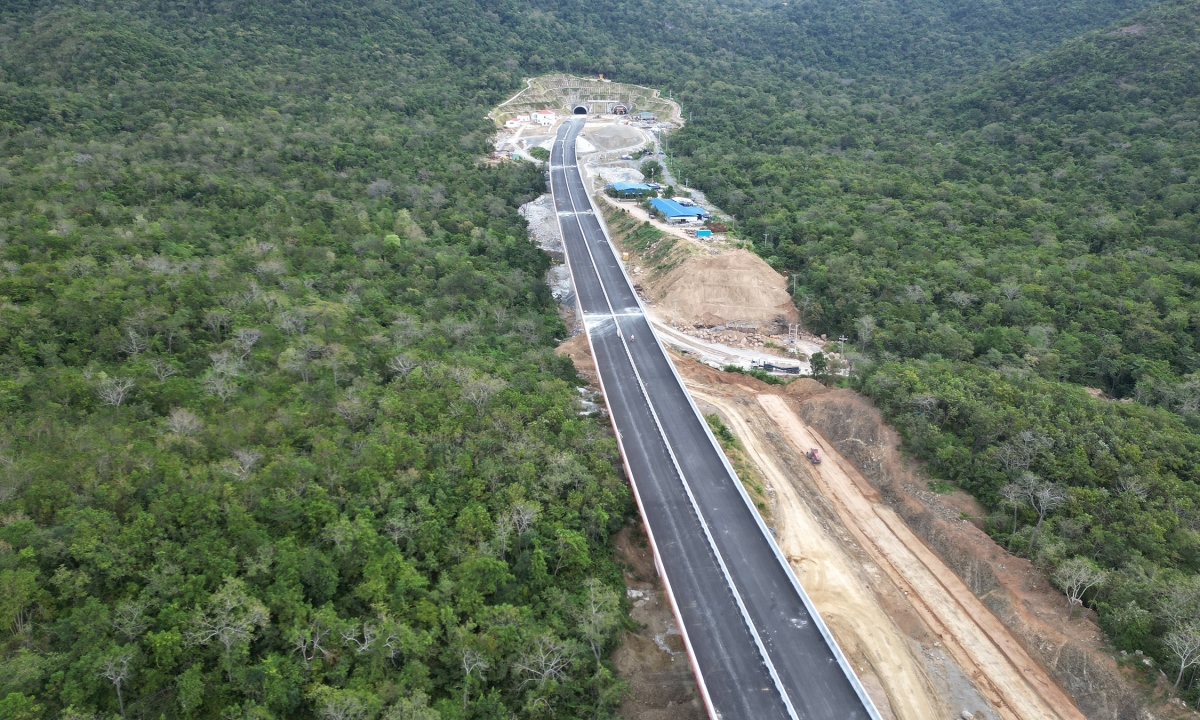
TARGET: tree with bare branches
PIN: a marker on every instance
(242, 463)
(599, 614)
(184, 422)
(114, 668)
(401, 365)
(245, 339)
(478, 392)
(161, 368)
(308, 641)
(1044, 498)
(545, 660)
(216, 321)
(473, 663)
(130, 619)
(1014, 495)
(230, 620)
(114, 390)
(1075, 577)
(1184, 644)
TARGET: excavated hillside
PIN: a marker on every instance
(698, 285)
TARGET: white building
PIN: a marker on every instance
(512, 123)
(544, 117)
(522, 118)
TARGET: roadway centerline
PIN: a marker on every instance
(690, 498)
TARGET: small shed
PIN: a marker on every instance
(704, 233)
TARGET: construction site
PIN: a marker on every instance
(937, 619)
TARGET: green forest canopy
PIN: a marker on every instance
(283, 434)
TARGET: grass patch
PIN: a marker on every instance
(942, 487)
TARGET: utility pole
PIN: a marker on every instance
(794, 282)
(842, 340)
(677, 314)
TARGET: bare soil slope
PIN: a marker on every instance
(1016, 592)
(729, 287)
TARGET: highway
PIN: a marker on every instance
(757, 646)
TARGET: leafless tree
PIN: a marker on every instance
(399, 527)
(221, 378)
(1184, 644)
(184, 422)
(915, 294)
(548, 659)
(472, 662)
(115, 669)
(291, 323)
(522, 516)
(245, 339)
(1180, 603)
(478, 392)
(1075, 577)
(866, 330)
(134, 343)
(344, 707)
(231, 620)
(242, 463)
(308, 642)
(962, 299)
(1133, 486)
(1045, 498)
(114, 390)
(924, 403)
(161, 368)
(599, 615)
(404, 328)
(353, 410)
(380, 189)
(130, 620)
(1020, 452)
(220, 386)
(225, 364)
(351, 634)
(216, 321)
(401, 365)
(1014, 496)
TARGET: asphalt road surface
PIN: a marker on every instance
(757, 645)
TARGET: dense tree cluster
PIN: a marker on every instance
(991, 247)
(281, 433)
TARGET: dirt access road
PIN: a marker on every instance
(866, 602)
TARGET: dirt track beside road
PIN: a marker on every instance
(892, 602)
(1016, 684)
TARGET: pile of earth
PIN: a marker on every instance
(735, 287)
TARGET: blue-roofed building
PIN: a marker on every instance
(674, 212)
(629, 189)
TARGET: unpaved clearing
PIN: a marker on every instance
(614, 136)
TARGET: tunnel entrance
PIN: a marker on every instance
(620, 110)
(579, 110)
